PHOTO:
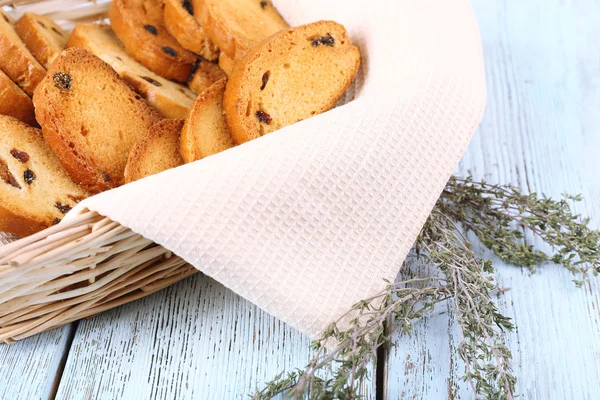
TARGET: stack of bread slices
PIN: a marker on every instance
(167, 82)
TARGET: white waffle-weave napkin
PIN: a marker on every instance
(309, 220)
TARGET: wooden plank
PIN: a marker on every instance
(30, 369)
(196, 339)
(541, 132)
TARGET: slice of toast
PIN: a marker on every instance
(292, 76)
(156, 151)
(42, 36)
(226, 63)
(173, 100)
(14, 101)
(205, 132)
(204, 74)
(237, 26)
(90, 118)
(180, 22)
(139, 25)
(16, 60)
(35, 190)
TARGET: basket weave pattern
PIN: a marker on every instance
(86, 264)
(77, 269)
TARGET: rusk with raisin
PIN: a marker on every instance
(35, 190)
(156, 151)
(291, 76)
(205, 131)
(204, 74)
(139, 25)
(172, 99)
(180, 22)
(237, 26)
(16, 60)
(90, 118)
(42, 36)
(14, 101)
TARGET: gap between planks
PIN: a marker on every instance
(72, 328)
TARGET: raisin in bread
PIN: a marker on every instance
(42, 36)
(90, 118)
(14, 101)
(205, 132)
(293, 75)
(237, 26)
(139, 24)
(35, 190)
(16, 60)
(156, 151)
(171, 99)
(204, 74)
(180, 22)
(226, 63)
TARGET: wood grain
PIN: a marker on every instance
(194, 340)
(29, 368)
(541, 132)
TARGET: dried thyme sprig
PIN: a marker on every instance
(500, 215)
(338, 372)
(487, 359)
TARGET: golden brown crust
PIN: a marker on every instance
(205, 74)
(205, 131)
(79, 166)
(180, 22)
(35, 191)
(237, 26)
(313, 66)
(16, 61)
(156, 151)
(139, 24)
(15, 102)
(172, 99)
(90, 118)
(19, 225)
(226, 63)
(42, 36)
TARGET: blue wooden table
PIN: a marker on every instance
(198, 340)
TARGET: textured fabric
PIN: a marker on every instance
(309, 220)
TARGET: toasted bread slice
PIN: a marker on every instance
(35, 190)
(173, 100)
(156, 151)
(204, 74)
(42, 36)
(16, 60)
(293, 75)
(180, 22)
(205, 132)
(14, 101)
(90, 118)
(139, 24)
(226, 63)
(237, 26)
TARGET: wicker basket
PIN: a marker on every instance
(86, 264)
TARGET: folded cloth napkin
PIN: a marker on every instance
(308, 220)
